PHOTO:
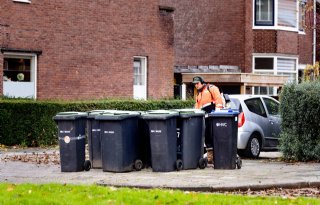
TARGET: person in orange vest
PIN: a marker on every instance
(208, 99)
(207, 95)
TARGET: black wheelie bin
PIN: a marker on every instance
(190, 136)
(72, 140)
(162, 126)
(119, 133)
(144, 150)
(94, 142)
(225, 135)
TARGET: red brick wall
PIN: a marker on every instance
(287, 42)
(209, 32)
(305, 41)
(249, 37)
(305, 48)
(88, 46)
(265, 41)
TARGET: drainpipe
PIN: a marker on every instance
(314, 30)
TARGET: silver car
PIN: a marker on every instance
(258, 123)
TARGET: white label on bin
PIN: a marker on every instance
(65, 131)
(236, 119)
(66, 139)
(109, 132)
(156, 131)
(95, 130)
(220, 124)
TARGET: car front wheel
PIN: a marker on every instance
(253, 147)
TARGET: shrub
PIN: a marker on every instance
(300, 108)
(29, 122)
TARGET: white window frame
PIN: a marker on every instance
(275, 26)
(275, 63)
(23, 1)
(33, 68)
(144, 64)
(275, 66)
(272, 16)
(302, 31)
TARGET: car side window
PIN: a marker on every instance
(272, 106)
(255, 105)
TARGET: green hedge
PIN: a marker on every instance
(300, 112)
(29, 122)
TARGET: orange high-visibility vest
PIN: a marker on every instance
(204, 97)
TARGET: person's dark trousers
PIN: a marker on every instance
(208, 134)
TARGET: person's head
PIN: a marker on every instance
(198, 82)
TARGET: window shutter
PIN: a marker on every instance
(286, 64)
(287, 13)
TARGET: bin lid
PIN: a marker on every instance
(224, 113)
(117, 115)
(93, 113)
(71, 115)
(187, 113)
(159, 114)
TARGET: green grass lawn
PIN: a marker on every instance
(82, 194)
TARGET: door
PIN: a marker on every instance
(140, 78)
(272, 108)
(259, 116)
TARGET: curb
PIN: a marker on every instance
(296, 185)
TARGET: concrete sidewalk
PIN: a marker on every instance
(264, 173)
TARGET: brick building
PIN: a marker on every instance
(86, 49)
(318, 31)
(244, 46)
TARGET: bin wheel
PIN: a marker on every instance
(87, 165)
(138, 165)
(203, 162)
(238, 162)
(179, 164)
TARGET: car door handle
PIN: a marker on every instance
(271, 122)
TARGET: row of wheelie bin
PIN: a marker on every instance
(121, 141)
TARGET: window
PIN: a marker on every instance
(264, 63)
(287, 67)
(272, 106)
(263, 90)
(22, 1)
(274, 65)
(302, 15)
(279, 14)
(19, 75)
(264, 12)
(140, 77)
(287, 13)
(255, 105)
(17, 69)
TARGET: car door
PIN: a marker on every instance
(272, 108)
(258, 116)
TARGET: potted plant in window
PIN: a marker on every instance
(20, 76)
